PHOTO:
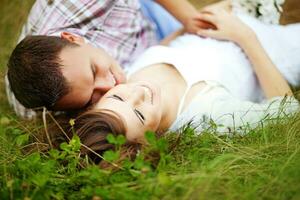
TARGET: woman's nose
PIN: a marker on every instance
(137, 96)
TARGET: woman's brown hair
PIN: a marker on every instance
(92, 127)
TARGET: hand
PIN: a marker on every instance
(228, 26)
(195, 23)
(225, 5)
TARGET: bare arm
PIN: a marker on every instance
(186, 6)
(186, 13)
(227, 24)
(225, 5)
(171, 37)
(181, 9)
(270, 79)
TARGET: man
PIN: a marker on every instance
(64, 70)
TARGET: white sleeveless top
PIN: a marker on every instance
(199, 59)
(232, 86)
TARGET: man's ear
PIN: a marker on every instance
(72, 38)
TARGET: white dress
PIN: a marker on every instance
(225, 62)
(214, 105)
(232, 85)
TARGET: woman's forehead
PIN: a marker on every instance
(120, 109)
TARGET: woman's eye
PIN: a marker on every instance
(139, 114)
(117, 97)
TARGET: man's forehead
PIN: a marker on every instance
(70, 56)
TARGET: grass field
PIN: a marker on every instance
(265, 164)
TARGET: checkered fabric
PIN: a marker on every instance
(117, 26)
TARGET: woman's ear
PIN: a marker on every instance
(72, 38)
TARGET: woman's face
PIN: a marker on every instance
(137, 104)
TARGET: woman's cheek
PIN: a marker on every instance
(155, 120)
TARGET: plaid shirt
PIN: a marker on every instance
(117, 26)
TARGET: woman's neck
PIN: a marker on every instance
(172, 87)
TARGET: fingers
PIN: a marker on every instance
(206, 25)
(195, 24)
(201, 23)
(225, 5)
(215, 9)
(211, 10)
(208, 17)
(208, 33)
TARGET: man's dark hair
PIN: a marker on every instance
(34, 71)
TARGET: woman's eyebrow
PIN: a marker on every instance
(115, 97)
(137, 115)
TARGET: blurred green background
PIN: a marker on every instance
(262, 165)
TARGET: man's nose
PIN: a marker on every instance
(103, 84)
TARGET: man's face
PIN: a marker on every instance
(90, 73)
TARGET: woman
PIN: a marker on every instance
(166, 90)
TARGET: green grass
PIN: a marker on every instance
(265, 164)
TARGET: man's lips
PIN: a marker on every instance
(115, 80)
(120, 78)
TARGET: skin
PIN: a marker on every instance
(138, 104)
(172, 85)
(90, 72)
(271, 80)
(186, 13)
(149, 91)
